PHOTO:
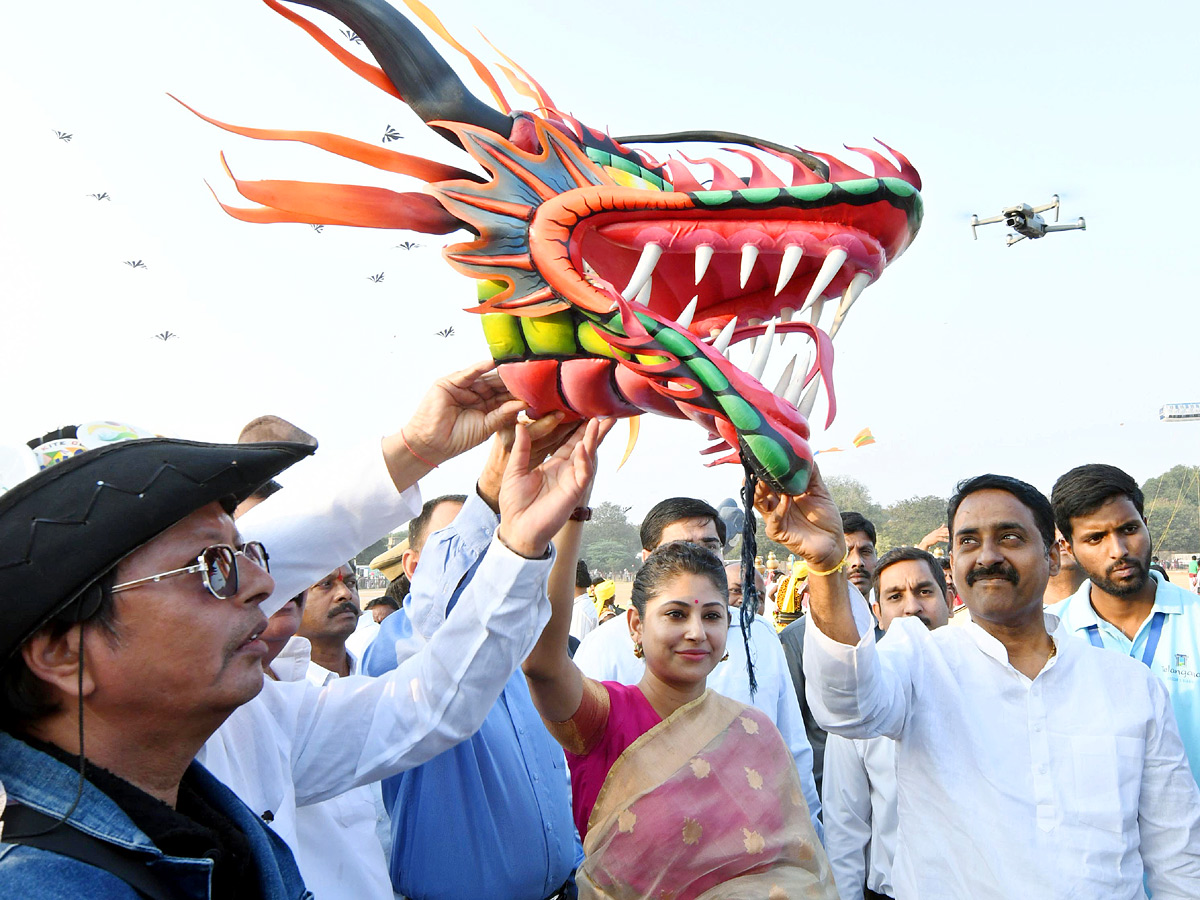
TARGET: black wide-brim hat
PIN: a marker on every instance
(66, 526)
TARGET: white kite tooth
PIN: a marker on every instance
(704, 254)
(829, 269)
(685, 317)
(815, 316)
(645, 268)
(797, 383)
(758, 365)
(791, 259)
(785, 316)
(785, 379)
(754, 340)
(643, 296)
(810, 398)
(853, 289)
(721, 342)
(749, 255)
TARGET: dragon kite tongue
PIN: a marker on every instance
(611, 284)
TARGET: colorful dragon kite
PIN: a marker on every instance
(612, 283)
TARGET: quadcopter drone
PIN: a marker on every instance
(1027, 221)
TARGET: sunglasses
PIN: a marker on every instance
(217, 565)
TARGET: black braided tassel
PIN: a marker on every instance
(749, 588)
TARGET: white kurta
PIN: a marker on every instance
(297, 743)
(1069, 785)
(858, 799)
(340, 854)
(607, 655)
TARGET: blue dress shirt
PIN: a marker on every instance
(490, 817)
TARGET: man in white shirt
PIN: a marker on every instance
(583, 617)
(340, 851)
(297, 743)
(859, 790)
(607, 653)
(1028, 765)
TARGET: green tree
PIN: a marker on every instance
(1173, 509)
(905, 522)
(610, 540)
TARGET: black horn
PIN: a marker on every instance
(423, 78)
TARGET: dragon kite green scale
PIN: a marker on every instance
(610, 283)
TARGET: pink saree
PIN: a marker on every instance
(706, 805)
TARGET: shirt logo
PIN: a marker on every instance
(1181, 660)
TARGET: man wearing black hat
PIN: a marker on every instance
(130, 632)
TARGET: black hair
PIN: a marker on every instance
(583, 578)
(398, 589)
(598, 579)
(673, 510)
(382, 600)
(1085, 489)
(916, 554)
(418, 526)
(853, 522)
(672, 559)
(25, 698)
(1029, 496)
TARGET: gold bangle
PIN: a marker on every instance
(837, 568)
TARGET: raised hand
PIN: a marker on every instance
(939, 535)
(546, 435)
(809, 524)
(535, 501)
(459, 412)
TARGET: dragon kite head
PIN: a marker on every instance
(611, 283)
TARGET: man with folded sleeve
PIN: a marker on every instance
(1029, 763)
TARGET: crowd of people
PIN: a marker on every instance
(195, 704)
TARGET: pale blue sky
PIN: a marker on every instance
(966, 356)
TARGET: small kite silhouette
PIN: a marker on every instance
(64, 136)
(135, 264)
(166, 335)
(317, 228)
(377, 278)
(391, 134)
(351, 36)
(103, 195)
(408, 245)
(446, 332)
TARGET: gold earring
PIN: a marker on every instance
(637, 649)
(725, 657)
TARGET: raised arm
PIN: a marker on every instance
(555, 682)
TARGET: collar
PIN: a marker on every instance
(993, 647)
(1168, 598)
(293, 660)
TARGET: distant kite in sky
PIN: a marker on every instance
(446, 332)
(863, 439)
(135, 264)
(351, 36)
(408, 245)
(377, 278)
(63, 136)
(391, 134)
(317, 228)
(166, 335)
(103, 195)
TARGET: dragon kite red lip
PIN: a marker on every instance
(611, 283)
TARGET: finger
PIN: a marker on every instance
(518, 460)
(503, 416)
(472, 373)
(542, 427)
(606, 425)
(816, 484)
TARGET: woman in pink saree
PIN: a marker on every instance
(679, 793)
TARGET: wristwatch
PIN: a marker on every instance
(581, 514)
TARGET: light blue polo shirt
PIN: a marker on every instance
(1176, 659)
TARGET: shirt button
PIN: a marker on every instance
(1037, 726)
(1042, 769)
(535, 777)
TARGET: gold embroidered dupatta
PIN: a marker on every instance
(706, 805)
